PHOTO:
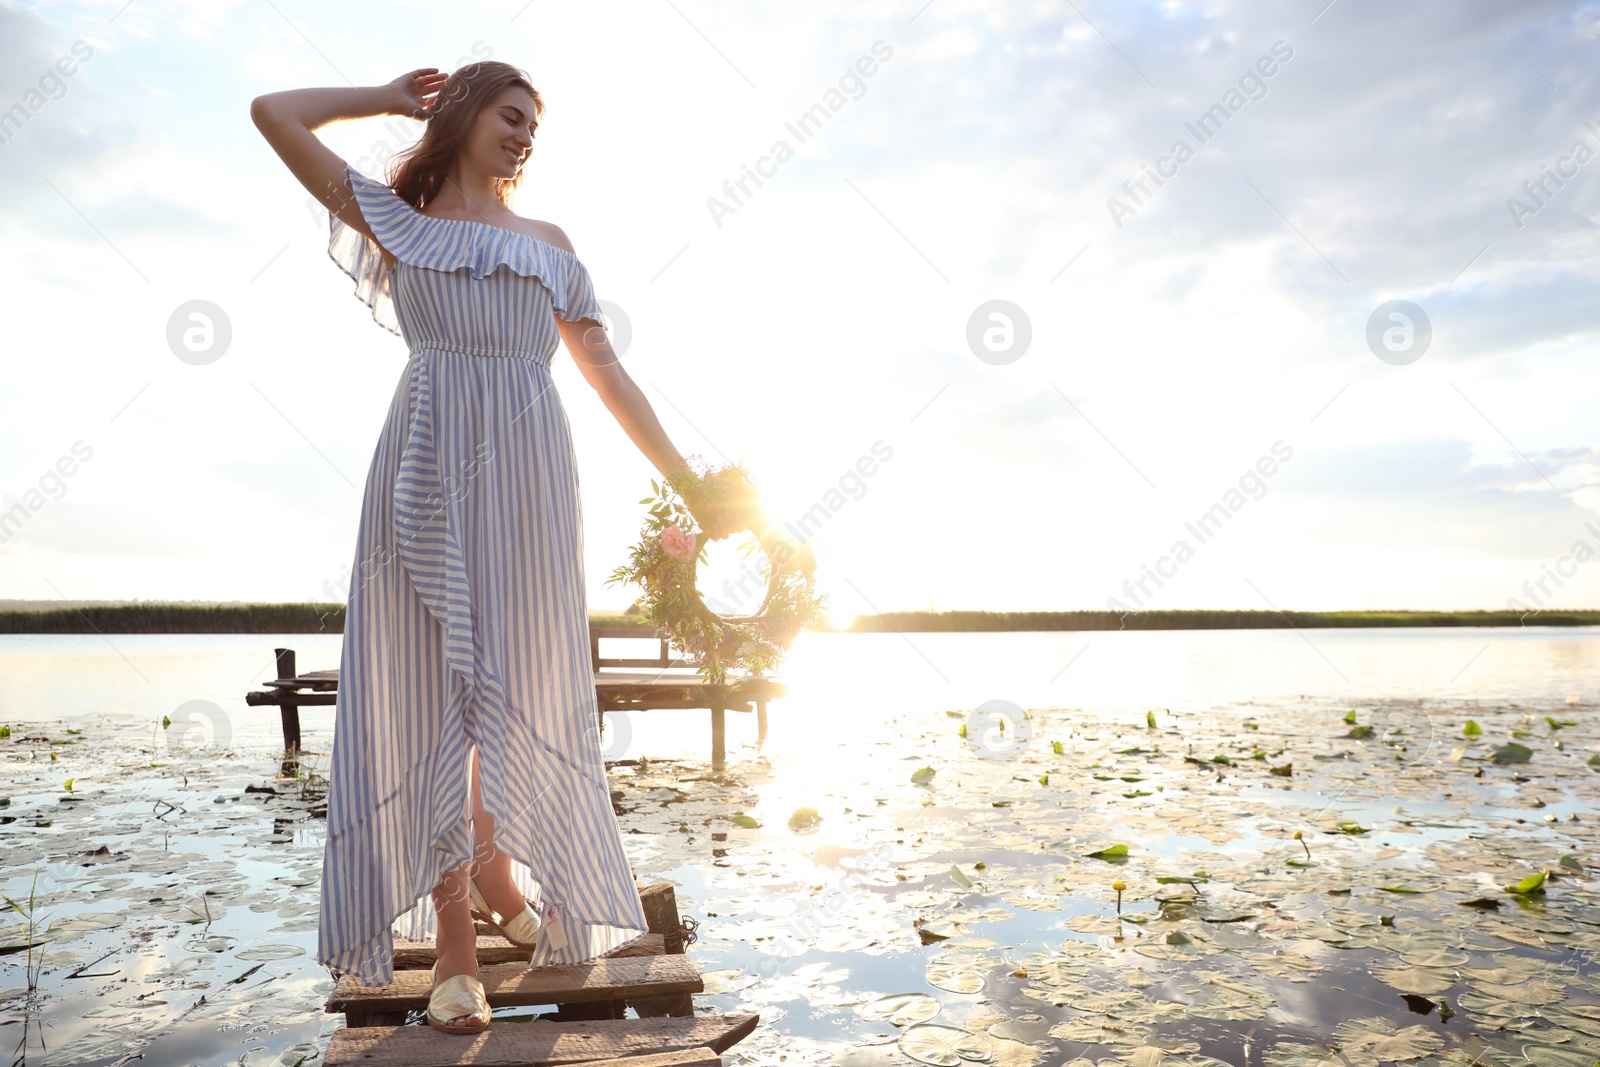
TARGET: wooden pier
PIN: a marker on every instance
(621, 684)
(653, 977)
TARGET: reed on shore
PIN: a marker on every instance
(158, 617)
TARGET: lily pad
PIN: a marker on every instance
(944, 1046)
(901, 1009)
(1420, 980)
(1534, 883)
(804, 818)
(1378, 1039)
(955, 975)
(1511, 752)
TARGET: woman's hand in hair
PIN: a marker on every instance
(416, 93)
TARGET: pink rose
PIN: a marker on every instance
(677, 544)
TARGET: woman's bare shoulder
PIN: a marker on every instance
(547, 232)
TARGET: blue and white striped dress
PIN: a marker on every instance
(467, 622)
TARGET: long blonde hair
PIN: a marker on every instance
(418, 172)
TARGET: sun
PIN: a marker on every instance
(838, 621)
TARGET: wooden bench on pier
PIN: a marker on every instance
(621, 684)
(653, 977)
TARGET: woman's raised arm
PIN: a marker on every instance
(286, 119)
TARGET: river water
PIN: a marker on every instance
(958, 783)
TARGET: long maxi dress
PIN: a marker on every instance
(467, 620)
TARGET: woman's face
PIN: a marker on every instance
(502, 134)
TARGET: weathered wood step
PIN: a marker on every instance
(535, 1044)
(515, 984)
(689, 1057)
(492, 948)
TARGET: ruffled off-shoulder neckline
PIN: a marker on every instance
(442, 244)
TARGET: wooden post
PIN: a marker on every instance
(717, 736)
(290, 712)
(661, 916)
(761, 722)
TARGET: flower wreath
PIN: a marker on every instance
(664, 563)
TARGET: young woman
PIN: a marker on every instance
(466, 631)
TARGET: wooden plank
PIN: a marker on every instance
(492, 948)
(602, 662)
(637, 633)
(690, 1057)
(534, 1044)
(516, 984)
(286, 699)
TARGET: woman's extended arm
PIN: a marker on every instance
(287, 119)
(600, 367)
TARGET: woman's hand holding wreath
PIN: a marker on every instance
(663, 563)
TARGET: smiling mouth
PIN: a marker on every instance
(515, 156)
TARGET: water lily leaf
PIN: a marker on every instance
(1379, 1039)
(1533, 992)
(1292, 1054)
(1149, 1056)
(1109, 852)
(1350, 716)
(804, 818)
(1492, 1009)
(954, 975)
(1419, 980)
(1360, 732)
(1553, 1056)
(749, 822)
(1094, 924)
(944, 1046)
(1485, 903)
(1511, 752)
(1471, 729)
(901, 1009)
(959, 877)
(1434, 957)
(922, 775)
(1571, 863)
(727, 980)
(1534, 883)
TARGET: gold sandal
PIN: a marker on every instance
(522, 931)
(457, 995)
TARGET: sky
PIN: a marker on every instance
(1127, 305)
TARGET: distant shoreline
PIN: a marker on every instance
(153, 617)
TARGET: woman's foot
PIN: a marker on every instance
(456, 942)
(500, 892)
(457, 1004)
(454, 959)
